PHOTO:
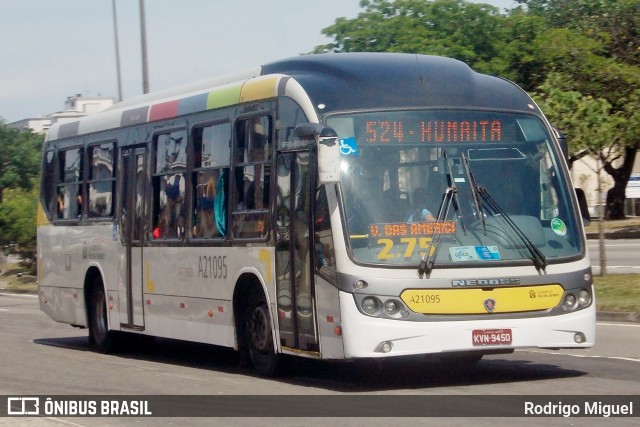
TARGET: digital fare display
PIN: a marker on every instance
(433, 131)
(412, 229)
(402, 240)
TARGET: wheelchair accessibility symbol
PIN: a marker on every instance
(348, 147)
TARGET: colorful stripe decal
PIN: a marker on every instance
(134, 117)
(254, 89)
(193, 104)
(260, 88)
(165, 110)
(223, 97)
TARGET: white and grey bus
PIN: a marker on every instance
(336, 206)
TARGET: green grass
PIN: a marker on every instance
(631, 223)
(618, 292)
(15, 278)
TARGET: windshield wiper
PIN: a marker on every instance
(449, 197)
(474, 192)
(478, 192)
(538, 258)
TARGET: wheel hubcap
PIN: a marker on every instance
(259, 327)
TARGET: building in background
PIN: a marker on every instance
(74, 107)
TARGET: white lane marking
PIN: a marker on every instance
(628, 359)
(624, 325)
(18, 295)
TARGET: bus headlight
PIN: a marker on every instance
(371, 305)
(584, 298)
(569, 302)
(391, 307)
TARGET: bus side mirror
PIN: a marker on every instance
(582, 204)
(326, 140)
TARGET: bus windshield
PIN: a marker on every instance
(460, 188)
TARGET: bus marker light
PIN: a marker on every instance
(384, 347)
(329, 319)
(337, 330)
(360, 284)
(210, 313)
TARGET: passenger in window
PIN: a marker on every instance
(420, 211)
(60, 204)
(175, 217)
(206, 226)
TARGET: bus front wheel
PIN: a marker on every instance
(259, 336)
(100, 338)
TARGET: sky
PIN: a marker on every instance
(53, 49)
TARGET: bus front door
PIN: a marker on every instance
(295, 279)
(132, 188)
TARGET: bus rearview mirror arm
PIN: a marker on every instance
(326, 141)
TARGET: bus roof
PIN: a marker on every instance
(332, 82)
(348, 81)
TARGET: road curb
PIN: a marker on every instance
(612, 316)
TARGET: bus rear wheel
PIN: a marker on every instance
(100, 337)
(259, 336)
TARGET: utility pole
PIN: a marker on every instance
(143, 36)
(115, 31)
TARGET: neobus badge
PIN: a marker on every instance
(485, 282)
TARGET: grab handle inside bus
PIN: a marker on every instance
(326, 140)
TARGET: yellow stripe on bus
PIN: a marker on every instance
(259, 88)
(478, 301)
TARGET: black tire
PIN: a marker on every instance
(259, 336)
(100, 337)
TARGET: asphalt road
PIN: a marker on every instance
(621, 256)
(41, 357)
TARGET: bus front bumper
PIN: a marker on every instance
(365, 336)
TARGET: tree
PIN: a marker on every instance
(18, 223)
(20, 154)
(595, 45)
(467, 31)
(593, 127)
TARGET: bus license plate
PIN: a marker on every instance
(491, 336)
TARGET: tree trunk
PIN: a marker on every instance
(616, 195)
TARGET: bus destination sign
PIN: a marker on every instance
(433, 131)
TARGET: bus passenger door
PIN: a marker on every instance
(295, 279)
(132, 189)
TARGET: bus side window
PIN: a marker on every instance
(69, 193)
(169, 185)
(101, 180)
(212, 148)
(252, 177)
(48, 183)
